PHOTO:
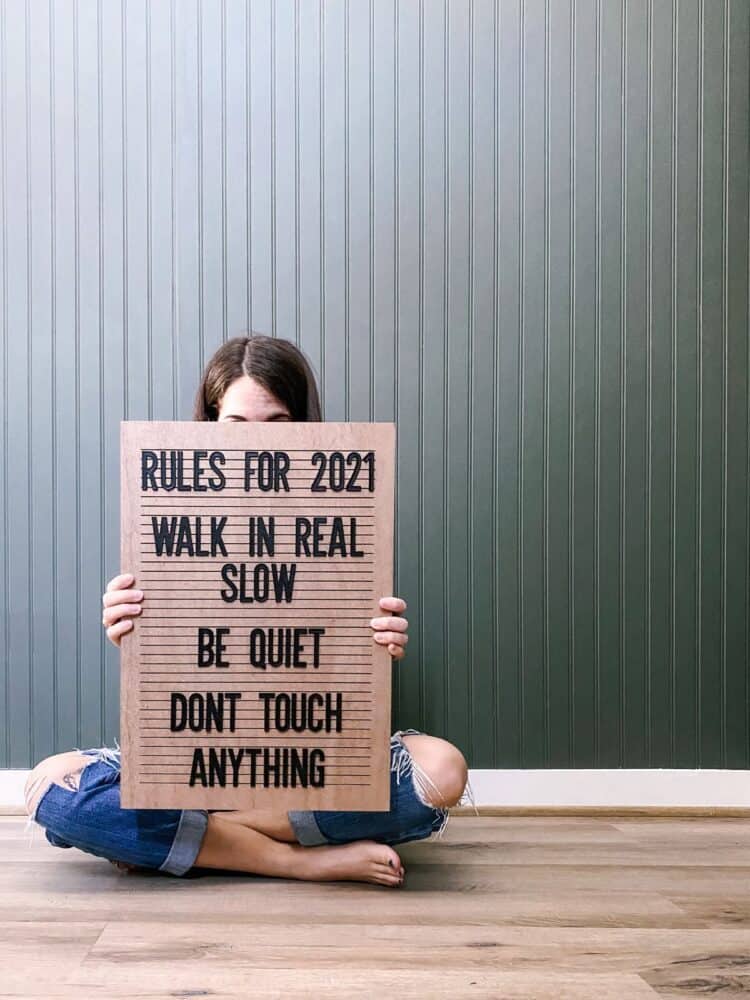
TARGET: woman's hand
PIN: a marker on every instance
(119, 603)
(391, 630)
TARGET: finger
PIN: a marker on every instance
(111, 615)
(120, 581)
(398, 652)
(396, 624)
(392, 603)
(386, 637)
(112, 597)
(115, 631)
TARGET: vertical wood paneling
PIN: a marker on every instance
(113, 336)
(608, 616)
(686, 454)
(660, 683)
(409, 219)
(334, 181)
(558, 240)
(357, 212)
(583, 382)
(483, 268)
(433, 411)
(531, 377)
(66, 576)
(90, 404)
(260, 167)
(17, 454)
(235, 193)
(519, 228)
(736, 522)
(41, 654)
(212, 135)
(5, 742)
(308, 184)
(189, 285)
(458, 434)
(507, 649)
(712, 350)
(161, 210)
(635, 362)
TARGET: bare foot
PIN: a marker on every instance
(360, 861)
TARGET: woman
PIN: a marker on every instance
(75, 795)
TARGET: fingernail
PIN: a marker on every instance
(139, 593)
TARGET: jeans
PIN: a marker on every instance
(88, 815)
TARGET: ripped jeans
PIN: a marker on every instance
(77, 802)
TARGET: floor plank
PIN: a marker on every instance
(37, 955)
(416, 984)
(528, 907)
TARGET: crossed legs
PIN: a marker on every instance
(262, 841)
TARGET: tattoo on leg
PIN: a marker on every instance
(72, 779)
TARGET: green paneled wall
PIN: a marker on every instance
(518, 228)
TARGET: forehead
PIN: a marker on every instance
(247, 394)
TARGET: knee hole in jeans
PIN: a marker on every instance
(442, 782)
(64, 770)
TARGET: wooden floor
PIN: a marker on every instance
(502, 907)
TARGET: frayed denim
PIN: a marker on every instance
(88, 815)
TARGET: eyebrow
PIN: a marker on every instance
(274, 416)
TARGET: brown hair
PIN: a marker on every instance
(279, 365)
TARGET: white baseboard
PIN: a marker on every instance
(549, 789)
(11, 787)
(652, 788)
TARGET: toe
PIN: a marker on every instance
(396, 869)
(391, 858)
(386, 870)
(385, 879)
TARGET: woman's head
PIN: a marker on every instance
(258, 378)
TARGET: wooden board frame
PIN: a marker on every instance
(163, 686)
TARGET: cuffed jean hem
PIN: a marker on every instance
(305, 828)
(411, 815)
(187, 842)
